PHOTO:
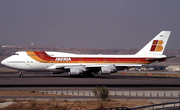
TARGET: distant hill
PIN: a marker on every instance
(7, 51)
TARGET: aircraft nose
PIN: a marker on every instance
(3, 62)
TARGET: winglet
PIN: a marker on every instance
(157, 45)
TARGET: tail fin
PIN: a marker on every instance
(157, 45)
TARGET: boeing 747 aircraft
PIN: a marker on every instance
(84, 64)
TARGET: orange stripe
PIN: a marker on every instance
(35, 57)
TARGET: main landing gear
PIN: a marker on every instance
(21, 74)
(87, 74)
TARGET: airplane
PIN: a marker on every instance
(86, 64)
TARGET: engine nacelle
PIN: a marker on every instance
(74, 71)
(106, 70)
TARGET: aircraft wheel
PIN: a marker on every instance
(21, 75)
(88, 75)
(81, 75)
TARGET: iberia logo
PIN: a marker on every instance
(157, 45)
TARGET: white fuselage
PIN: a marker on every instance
(23, 62)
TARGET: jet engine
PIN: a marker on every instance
(106, 70)
(75, 71)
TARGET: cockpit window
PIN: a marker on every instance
(16, 54)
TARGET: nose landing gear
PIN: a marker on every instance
(21, 74)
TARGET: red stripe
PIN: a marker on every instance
(46, 57)
(43, 55)
(153, 47)
(155, 42)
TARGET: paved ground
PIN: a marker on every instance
(43, 81)
(64, 80)
(158, 89)
(115, 83)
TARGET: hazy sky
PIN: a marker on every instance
(112, 24)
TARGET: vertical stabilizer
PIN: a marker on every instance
(157, 45)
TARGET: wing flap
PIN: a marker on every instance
(65, 67)
(89, 67)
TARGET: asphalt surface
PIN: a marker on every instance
(10, 79)
(48, 81)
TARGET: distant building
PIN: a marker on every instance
(174, 68)
(154, 68)
(6, 46)
(150, 68)
(9, 46)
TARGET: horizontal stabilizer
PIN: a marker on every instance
(160, 59)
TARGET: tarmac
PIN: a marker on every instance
(121, 87)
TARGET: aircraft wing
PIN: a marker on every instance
(117, 65)
(103, 68)
(91, 66)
